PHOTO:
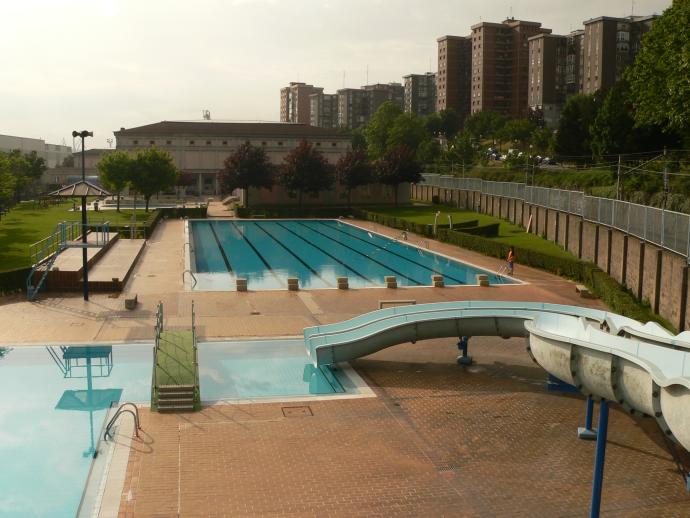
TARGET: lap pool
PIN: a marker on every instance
(316, 252)
(54, 400)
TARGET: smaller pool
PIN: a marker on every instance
(265, 369)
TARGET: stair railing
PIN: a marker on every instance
(197, 394)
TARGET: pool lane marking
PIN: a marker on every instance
(394, 253)
(222, 252)
(261, 227)
(328, 254)
(261, 257)
(362, 254)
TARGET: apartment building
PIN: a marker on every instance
(324, 110)
(357, 105)
(453, 80)
(295, 105)
(609, 46)
(420, 94)
(500, 66)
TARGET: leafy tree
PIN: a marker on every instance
(358, 139)
(7, 180)
(153, 170)
(462, 150)
(68, 161)
(573, 137)
(354, 169)
(408, 130)
(543, 141)
(247, 167)
(379, 127)
(485, 124)
(305, 170)
(446, 122)
(398, 166)
(659, 84)
(517, 130)
(115, 172)
(27, 169)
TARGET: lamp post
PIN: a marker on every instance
(83, 134)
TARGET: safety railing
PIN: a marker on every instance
(664, 228)
(158, 330)
(197, 394)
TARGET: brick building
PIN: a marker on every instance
(420, 93)
(454, 75)
(295, 105)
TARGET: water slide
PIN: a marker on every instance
(605, 355)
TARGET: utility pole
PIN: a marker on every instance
(618, 180)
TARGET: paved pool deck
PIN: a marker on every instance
(437, 440)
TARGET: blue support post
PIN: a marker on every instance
(598, 481)
(464, 358)
(588, 433)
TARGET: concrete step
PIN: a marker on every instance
(175, 395)
(175, 408)
(176, 401)
(175, 388)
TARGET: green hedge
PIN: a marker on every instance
(613, 294)
(294, 212)
(145, 231)
(13, 280)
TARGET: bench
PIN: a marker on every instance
(583, 291)
(131, 302)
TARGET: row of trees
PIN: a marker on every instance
(149, 171)
(306, 171)
(20, 174)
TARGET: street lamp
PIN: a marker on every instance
(83, 134)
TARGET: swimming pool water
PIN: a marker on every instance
(267, 252)
(50, 421)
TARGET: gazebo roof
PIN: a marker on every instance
(80, 188)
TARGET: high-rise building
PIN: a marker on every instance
(500, 66)
(454, 75)
(294, 102)
(380, 93)
(609, 46)
(420, 93)
(324, 110)
(356, 106)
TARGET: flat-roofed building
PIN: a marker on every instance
(454, 76)
(200, 148)
(357, 105)
(295, 106)
(500, 66)
(609, 46)
(420, 94)
(53, 154)
(324, 110)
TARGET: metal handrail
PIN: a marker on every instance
(190, 273)
(158, 331)
(121, 410)
(196, 356)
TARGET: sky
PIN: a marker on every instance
(105, 64)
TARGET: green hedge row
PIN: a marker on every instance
(425, 229)
(13, 280)
(613, 294)
(294, 212)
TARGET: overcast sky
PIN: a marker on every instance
(105, 64)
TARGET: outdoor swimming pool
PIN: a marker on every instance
(53, 403)
(267, 252)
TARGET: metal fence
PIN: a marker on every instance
(665, 228)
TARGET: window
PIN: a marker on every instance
(280, 143)
(191, 142)
(318, 144)
(263, 143)
(225, 142)
(208, 142)
(135, 142)
(152, 142)
(168, 142)
(334, 144)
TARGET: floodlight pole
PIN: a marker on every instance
(84, 257)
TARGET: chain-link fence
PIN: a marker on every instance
(664, 228)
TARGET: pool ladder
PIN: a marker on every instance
(121, 411)
(193, 277)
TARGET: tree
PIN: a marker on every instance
(68, 161)
(485, 124)
(659, 84)
(305, 170)
(115, 172)
(573, 137)
(353, 170)
(379, 127)
(7, 180)
(247, 167)
(517, 130)
(407, 130)
(450, 122)
(461, 150)
(398, 166)
(153, 170)
(27, 169)
(543, 141)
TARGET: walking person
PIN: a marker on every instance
(511, 260)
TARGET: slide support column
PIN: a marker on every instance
(464, 358)
(598, 480)
(588, 433)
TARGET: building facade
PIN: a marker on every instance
(295, 105)
(200, 148)
(609, 46)
(420, 94)
(53, 154)
(357, 105)
(547, 77)
(324, 110)
(454, 76)
(500, 66)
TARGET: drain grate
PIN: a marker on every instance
(297, 411)
(449, 468)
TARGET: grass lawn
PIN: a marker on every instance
(27, 223)
(507, 232)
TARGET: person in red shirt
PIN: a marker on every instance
(511, 260)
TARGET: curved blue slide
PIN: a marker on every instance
(640, 366)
